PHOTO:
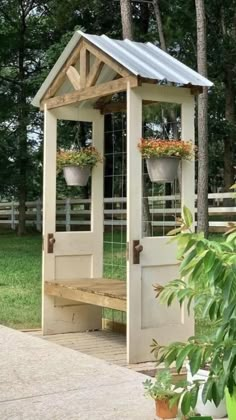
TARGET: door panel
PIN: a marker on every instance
(159, 315)
(75, 254)
(147, 318)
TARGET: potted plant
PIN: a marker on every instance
(209, 408)
(77, 164)
(207, 279)
(164, 393)
(163, 157)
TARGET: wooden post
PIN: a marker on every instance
(68, 210)
(134, 217)
(188, 167)
(98, 197)
(38, 215)
(13, 215)
(49, 180)
(49, 211)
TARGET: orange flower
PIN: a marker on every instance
(166, 148)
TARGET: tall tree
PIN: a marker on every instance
(126, 19)
(171, 114)
(228, 25)
(202, 189)
(21, 38)
(127, 26)
(157, 12)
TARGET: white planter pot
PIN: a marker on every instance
(163, 169)
(208, 409)
(76, 175)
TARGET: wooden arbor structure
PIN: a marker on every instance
(79, 88)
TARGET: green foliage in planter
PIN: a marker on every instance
(156, 148)
(85, 156)
(207, 278)
(162, 388)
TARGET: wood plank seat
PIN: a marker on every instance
(107, 293)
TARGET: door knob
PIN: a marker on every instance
(51, 242)
(137, 248)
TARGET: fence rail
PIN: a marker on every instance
(75, 212)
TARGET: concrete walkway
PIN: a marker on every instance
(41, 380)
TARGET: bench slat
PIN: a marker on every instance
(107, 293)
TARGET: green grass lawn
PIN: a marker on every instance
(20, 279)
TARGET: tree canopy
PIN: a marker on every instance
(34, 32)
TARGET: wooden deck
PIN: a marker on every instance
(107, 293)
(103, 344)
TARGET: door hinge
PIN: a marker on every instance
(51, 242)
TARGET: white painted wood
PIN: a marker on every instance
(34, 210)
(75, 113)
(68, 213)
(76, 254)
(13, 215)
(49, 210)
(49, 171)
(169, 94)
(38, 215)
(134, 223)
(187, 134)
(97, 197)
(147, 319)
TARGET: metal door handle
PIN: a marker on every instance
(137, 248)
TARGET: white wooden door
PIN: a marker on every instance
(146, 318)
(73, 255)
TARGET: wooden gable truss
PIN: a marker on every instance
(84, 81)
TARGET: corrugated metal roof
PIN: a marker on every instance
(141, 59)
(147, 60)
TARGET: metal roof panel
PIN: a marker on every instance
(141, 59)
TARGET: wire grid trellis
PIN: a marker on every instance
(115, 200)
(73, 216)
(161, 201)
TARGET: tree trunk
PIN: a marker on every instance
(22, 131)
(202, 190)
(127, 26)
(229, 108)
(229, 140)
(144, 18)
(171, 114)
(126, 19)
(159, 24)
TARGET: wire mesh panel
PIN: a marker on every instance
(115, 204)
(161, 201)
(73, 206)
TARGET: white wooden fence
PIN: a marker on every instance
(76, 212)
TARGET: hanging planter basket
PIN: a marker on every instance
(77, 164)
(77, 175)
(163, 157)
(163, 169)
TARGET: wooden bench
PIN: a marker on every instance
(107, 293)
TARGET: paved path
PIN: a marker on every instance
(41, 380)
